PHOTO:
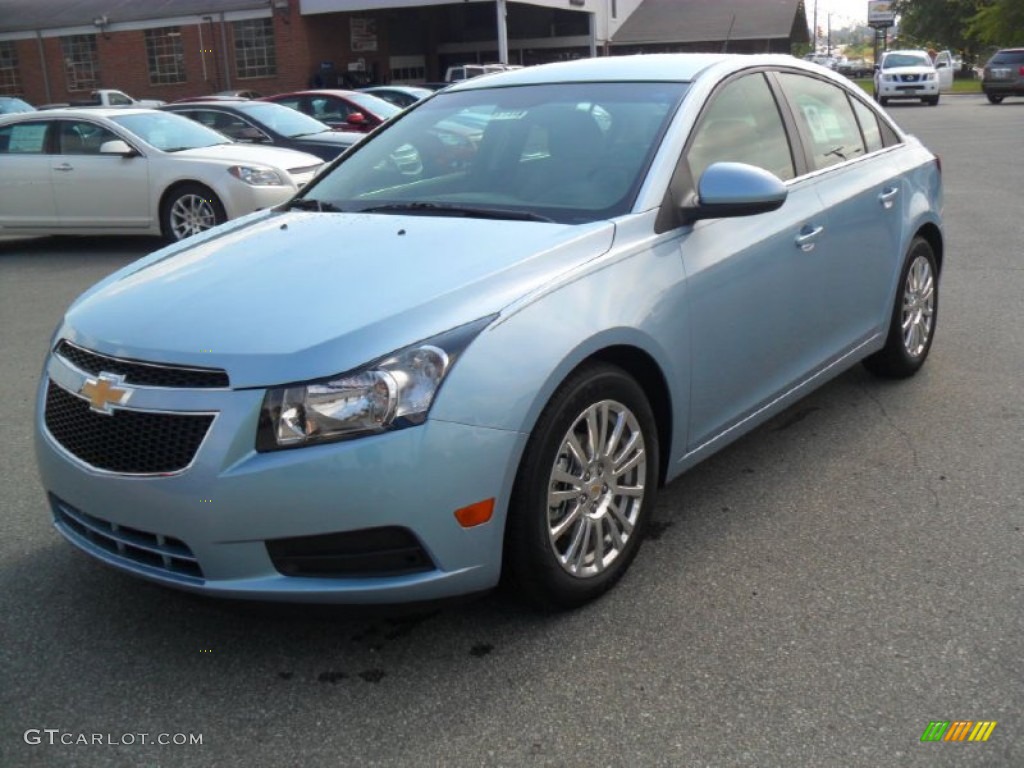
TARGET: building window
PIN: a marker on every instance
(254, 48)
(165, 56)
(10, 78)
(81, 67)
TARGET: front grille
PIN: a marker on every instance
(910, 78)
(128, 442)
(388, 551)
(143, 374)
(167, 554)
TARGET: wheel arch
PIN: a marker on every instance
(933, 235)
(173, 187)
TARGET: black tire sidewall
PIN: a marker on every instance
(530, 564)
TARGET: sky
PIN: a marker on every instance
(844, 12)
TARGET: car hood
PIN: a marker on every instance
(299, 295)
(907, 70)
(277, 157)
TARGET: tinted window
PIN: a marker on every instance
(826, 119)
(81, 138)
(868, 126)
(742, 125)
(1006, 58)
(23, 139)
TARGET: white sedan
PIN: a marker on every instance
(134, 172)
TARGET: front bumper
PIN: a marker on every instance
(206, 528)
(920, 90)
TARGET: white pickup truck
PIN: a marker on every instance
(107, 97)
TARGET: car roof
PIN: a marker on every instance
(655, 67)
(107, 112)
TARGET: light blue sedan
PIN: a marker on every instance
(473, 348)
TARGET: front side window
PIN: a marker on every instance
(561, 152)
(742, 124)
(165, 56)
(81, 65)
(23, 139)
(825, 117)
(10, 76)
(82, 138)
(255, 55)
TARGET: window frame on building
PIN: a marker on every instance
(79, 52)
(10, 74)
(255, 49)
(165, 56)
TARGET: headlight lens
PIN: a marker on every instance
(929, 76)
(391, 393)
(257, 176)
(888, 78)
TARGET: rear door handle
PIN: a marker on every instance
(64, 167)
(805, 240)
(888, 197)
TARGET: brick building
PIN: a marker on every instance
(59, 50)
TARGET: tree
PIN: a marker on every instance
(1001, 23)
(939, 23)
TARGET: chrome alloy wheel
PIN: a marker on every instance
(191, 214)
(596, 488)
(918, 307)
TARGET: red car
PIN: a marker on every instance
(342, 110)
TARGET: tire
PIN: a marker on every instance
(914, 312)
(566, 492)
(188, 210)
(883, 101)
(993, 99)
(931, 102)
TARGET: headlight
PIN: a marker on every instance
(393, 392)
(888, 78)
(257, 176)
(929, 75)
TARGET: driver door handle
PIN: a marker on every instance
(805, 240)
(888, 196)
(64, 167)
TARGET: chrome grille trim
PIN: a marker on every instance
(139, 373)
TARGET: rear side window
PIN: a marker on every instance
(826, 119)
(868, 126)
(23, 139)
(742, 125)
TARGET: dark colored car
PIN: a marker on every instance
(346, 110)
(10, 105)
(263, 123)
(1004, 75)
(400, 95)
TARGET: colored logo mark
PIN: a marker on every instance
(958, 730)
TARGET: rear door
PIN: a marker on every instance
(862, 193)
(26, 187)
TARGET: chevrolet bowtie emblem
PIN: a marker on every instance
(104, 392)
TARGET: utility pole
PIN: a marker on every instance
(814, 44)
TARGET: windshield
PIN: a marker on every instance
(284, 120)
(170, 132)
(906, 60)
(570, 152)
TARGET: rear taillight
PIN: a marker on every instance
(1020, 71)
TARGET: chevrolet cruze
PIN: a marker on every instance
(464, 357)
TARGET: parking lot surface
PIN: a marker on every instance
(814, 595)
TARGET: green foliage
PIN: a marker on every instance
(1001, 23)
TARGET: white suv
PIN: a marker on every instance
(912, 75)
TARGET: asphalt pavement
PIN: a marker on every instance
(814, 595)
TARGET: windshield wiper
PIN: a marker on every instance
(309, 204)
(470, 212)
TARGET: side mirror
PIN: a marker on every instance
(251, 133)
(356, 118)
(117, 147)
(727, 190)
